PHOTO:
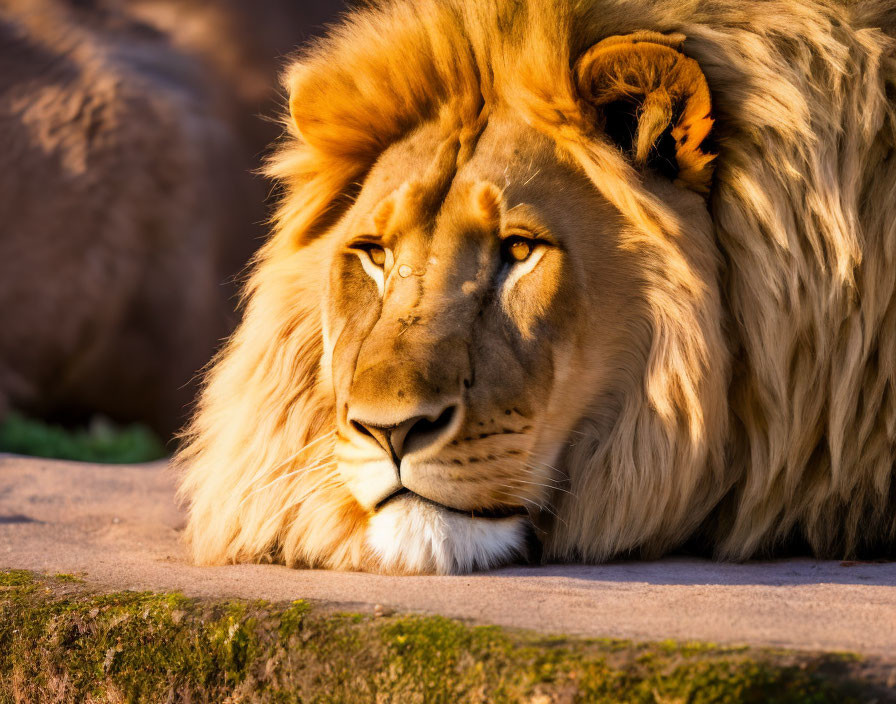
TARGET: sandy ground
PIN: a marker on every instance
(120, 527)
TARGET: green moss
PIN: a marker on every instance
(72, 578)
(61, 642)
(15, 578)
(100, 442)
(292, 618)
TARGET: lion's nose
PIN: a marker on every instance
(411, 435)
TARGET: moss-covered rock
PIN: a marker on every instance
(60, 641)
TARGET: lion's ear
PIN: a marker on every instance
(653, 101)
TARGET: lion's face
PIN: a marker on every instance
(486, 316)
(472, 315)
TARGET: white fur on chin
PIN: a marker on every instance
(410, 535)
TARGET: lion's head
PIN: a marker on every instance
(472, 317)
(491, 317)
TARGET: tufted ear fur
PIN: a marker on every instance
(653, 101)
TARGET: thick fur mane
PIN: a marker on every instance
(799, 435)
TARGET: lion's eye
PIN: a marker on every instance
(376, 253)
(517, 249)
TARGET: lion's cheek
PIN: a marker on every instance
(411, 537)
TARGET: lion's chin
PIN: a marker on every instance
(412, 536)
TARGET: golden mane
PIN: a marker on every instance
(803, 425)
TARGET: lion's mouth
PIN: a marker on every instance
(496, 513)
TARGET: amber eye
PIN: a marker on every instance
(516, 249)
(376, 253)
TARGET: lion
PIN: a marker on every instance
(122, 194)
(567, 281)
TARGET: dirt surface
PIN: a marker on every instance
(118, 527)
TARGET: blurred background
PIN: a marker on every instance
(129, 135)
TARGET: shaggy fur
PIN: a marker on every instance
(757, 406)
(119, 193)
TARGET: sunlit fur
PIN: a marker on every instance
(758, 403)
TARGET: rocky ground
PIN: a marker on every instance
(116, 530)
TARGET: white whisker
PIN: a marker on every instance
(545, 464)
(553, 487)
(320, 483)
(270, 470)
(540, 507)
(301, 470)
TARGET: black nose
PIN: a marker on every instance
(411, 435)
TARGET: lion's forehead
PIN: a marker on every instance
(422, 168)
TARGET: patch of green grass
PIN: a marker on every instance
(62, 645)
(100, 442)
